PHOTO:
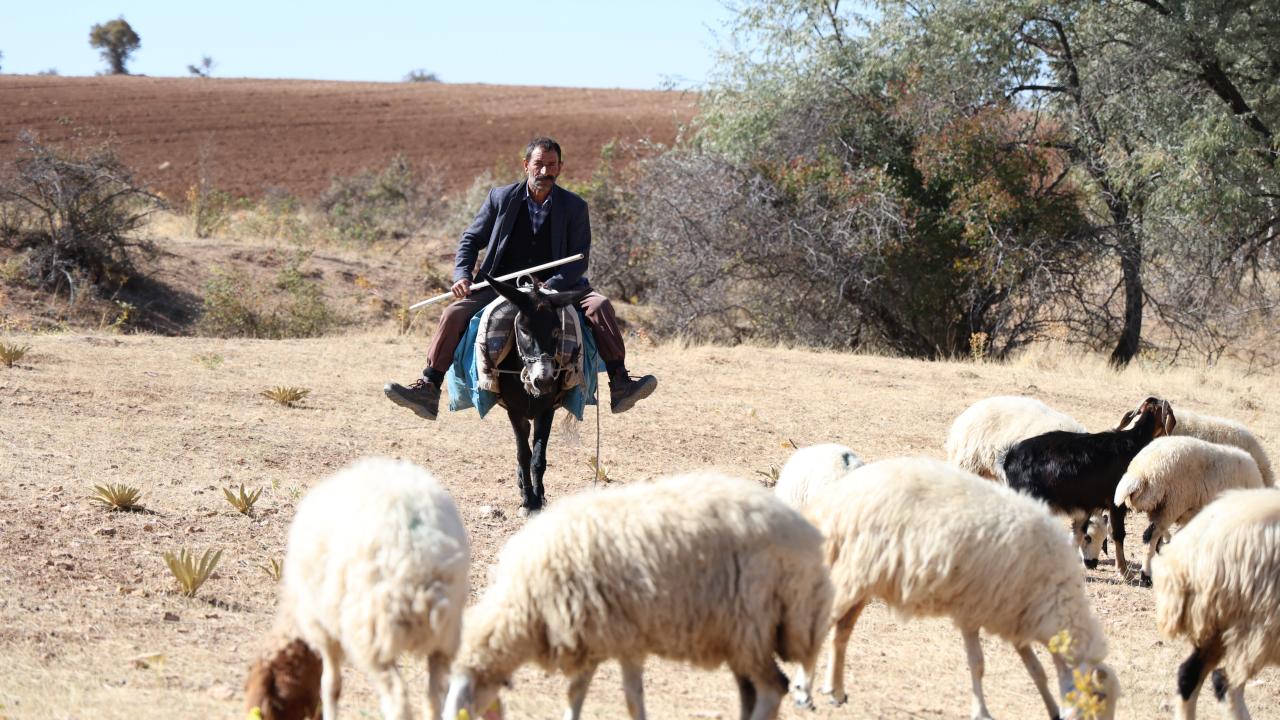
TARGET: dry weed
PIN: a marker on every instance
(189, 571)
(286, 395)
(117, 496)
(11, 354)
(242, 501)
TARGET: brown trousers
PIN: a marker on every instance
(453, 325)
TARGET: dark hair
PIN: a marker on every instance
(545, 143)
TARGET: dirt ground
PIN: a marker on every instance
(296, 135)
(90, 626)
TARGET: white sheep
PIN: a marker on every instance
(929, 539)
(376, 566)
(701, 567)
(1217, 584)
(1225, 432)
(979, 436)
(1173, 478)
(812, 468)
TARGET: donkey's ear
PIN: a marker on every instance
(522, 301)
(568, 297)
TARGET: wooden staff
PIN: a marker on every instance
(508, 276)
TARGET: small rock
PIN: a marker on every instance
(107, 531)
(148, 527)
(171, 617)
(492, 512)
(219, 691)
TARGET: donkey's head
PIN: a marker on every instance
(538, 331)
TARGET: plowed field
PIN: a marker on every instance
(296, 135)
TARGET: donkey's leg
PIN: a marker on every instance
(541, 434)
(528, 498)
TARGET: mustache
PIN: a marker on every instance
(540, 178)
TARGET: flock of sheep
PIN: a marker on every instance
(715, 570)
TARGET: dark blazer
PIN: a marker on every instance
(570, 234)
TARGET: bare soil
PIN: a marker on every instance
(90, 625)
(296, 135)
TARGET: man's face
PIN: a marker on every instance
(542, 167)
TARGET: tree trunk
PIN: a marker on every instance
(1131, 332)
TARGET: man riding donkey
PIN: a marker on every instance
(525, 224)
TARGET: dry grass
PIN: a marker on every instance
(84, 593)
(242, 501)
(286, 395)
(191, 571)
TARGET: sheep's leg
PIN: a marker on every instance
(538, 468)
(437, 683)
(746, 696)
(973, 653)
(393, 694)
(760, 693)
(1191, 675)
(1066, 682)
(528, 499)
(330, 679)
(633, 687)
(1117, 536)
(578, 692)
(1232, 696)
(839, 643)
(1036, 671)
(1152, 537)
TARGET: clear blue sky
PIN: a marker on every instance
(574, 43)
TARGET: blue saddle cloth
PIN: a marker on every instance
(462, 376)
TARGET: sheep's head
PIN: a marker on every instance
(466, 693)
(1094, 541)
(284, 685)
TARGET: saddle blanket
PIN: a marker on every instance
(472, 381)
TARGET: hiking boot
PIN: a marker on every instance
(625, 391)
(422, 397)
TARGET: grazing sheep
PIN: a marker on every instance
(376, 566)
(989, 427)
(1217, 584)
(1174, 477)
(700, 567)
(810, 469)
(929, 539)
(1226, 432)
(1077, 473)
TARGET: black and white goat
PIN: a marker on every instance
(1077, 473)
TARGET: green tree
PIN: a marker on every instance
(1166, 111)
(117, 41)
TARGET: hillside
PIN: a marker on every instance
(294, 135)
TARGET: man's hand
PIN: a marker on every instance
(461, 289)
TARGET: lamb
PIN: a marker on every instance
(1173, 478)
(1226, 432)
(981, 435)
(1077, 473)
(986, 429)
(810, 469)
(376, 566)
(1217, 584)
(929, 539)
(701, 567)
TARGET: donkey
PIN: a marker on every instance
(530, 381)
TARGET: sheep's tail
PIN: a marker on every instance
(1131, 491)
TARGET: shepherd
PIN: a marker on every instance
(525, 224)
